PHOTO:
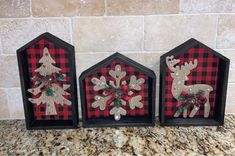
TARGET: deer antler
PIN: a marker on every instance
(189, 66)
(171, 62)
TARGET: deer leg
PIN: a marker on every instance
(207, 107)
(185, 113)
(194, 111)
(178, 112)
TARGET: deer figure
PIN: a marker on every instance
(180, 75)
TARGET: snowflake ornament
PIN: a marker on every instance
(118, 93)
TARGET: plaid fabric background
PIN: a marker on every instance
(61, 57)
(90, 93)
(206, 72)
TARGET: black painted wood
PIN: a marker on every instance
(125, 121)
(218, 118)
(31, 123)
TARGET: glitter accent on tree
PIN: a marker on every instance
(45, 85)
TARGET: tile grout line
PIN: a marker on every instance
(143, 41)
(224, 49)
(125, 52)
(71, 30)
(179, 11)
(3, 54)
(216, 33)
(10, 87)
(125, 16)
(105, 8)
(30, 8)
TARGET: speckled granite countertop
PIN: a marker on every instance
(16, 140)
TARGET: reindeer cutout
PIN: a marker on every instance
(180, 75)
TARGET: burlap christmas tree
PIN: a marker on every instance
(46, 85)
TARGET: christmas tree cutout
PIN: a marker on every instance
(50, 93)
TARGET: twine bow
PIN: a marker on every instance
(191, 99)
(120, 93)
(46, 81)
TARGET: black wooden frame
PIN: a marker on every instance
(222, 82)
(125, 121)
(31, 123)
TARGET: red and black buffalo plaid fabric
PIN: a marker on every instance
(206, 72)
(61, 57)
(104, 71)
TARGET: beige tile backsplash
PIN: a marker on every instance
(141, 29)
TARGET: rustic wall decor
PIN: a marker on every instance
(118, 92)
(193, 85)
(48, 82)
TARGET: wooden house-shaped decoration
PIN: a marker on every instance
(193, 85)
(48, 82)
(117, 92)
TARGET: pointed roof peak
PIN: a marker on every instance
(49, 37)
